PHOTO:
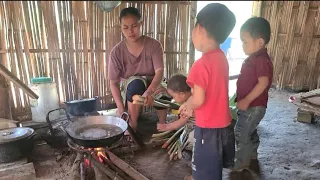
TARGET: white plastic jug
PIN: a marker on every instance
(48, 99)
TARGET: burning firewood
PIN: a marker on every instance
(105, 169)
(82, 171)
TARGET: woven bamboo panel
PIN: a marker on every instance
(70, 41)
(294, 45)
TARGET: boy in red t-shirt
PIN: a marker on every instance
(209, 80)
(253, 85)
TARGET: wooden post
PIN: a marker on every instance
(5, 108)
(256, 8)
(5, 105)
(193, 14)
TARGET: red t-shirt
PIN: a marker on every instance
(211, 73)
(255, 66)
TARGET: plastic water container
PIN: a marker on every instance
(48, 99)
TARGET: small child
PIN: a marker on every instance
(179, 90)
(209, 81)
(253, 85)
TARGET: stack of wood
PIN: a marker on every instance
(308, 105)
(176, 143)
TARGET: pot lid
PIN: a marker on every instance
(41, 80)
(14, 134)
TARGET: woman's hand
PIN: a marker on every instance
(120, 110)
(148, 101)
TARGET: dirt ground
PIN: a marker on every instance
(289, 150)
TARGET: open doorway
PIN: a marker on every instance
(234, 52)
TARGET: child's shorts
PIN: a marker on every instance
(214, 150)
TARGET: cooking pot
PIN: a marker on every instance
(81, 106)
(15, 143)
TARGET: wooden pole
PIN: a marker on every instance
(126, 167)
(103, 168)
(193, 13)
(7, 74)
(5, 106)
(256, 8)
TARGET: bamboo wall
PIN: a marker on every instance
(70, 41)
(294, 45)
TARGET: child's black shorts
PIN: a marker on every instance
(214, 150)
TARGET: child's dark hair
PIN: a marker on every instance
(217, 20)
(257, 27)
(130, 11)
(178, 83)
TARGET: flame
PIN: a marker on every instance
(101, 154)
(86, 162)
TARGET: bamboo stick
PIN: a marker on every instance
(12, 58)
(161, 134)
(172, 137)
(6, 73)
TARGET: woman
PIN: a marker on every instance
(136, 67)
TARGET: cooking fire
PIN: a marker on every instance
(102, 157)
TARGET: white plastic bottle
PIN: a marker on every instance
(48, 99)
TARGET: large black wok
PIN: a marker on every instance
(97, 131)
(94, 131)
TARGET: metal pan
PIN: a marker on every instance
(97, 131)
(92, 131)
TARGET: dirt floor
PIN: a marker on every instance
(289, 150)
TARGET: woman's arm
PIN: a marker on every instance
(158, 66)
(114, 74)
(155, 81)
(115, 91)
